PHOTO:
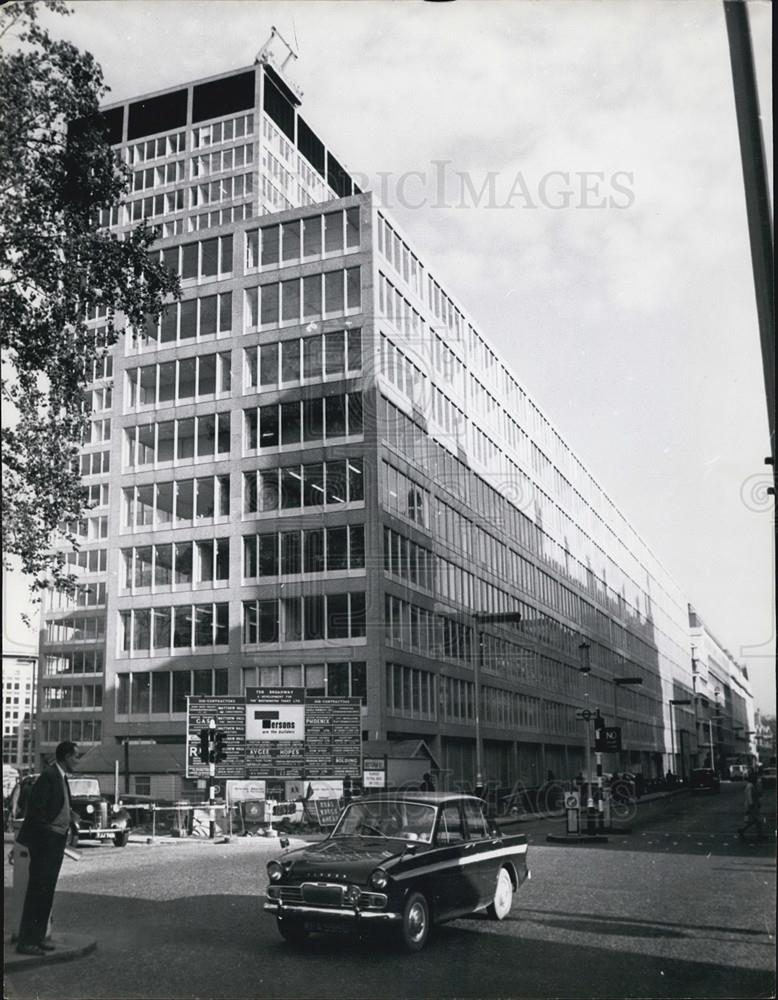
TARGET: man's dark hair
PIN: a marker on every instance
(65, 749)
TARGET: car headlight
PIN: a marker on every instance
(274, 871)
(379, 879)
(90, 809)
(115, 808)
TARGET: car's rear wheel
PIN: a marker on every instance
(501, 905)
(292, 930)
(415, 927)
(121, 839)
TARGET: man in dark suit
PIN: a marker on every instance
(44, 833)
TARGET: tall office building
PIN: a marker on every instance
(315, 471)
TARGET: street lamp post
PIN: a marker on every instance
(585, 668)
(483, 618)
(673, 703)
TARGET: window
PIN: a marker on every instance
(450, 830)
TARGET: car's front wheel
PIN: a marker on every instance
(121, 839)
(415, 927)
(500, 906)
(291, 930)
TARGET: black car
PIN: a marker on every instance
(98, 819)
(401, 861)
(705, 779)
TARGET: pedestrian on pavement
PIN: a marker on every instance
(427, 784)
(44, 833)
(752, 801)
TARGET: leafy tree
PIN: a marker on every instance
(57, 267)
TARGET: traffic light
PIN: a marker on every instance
(219, 747)
(205, 750)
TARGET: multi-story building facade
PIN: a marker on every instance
(315, 471)
(19, 687)
(722, 716)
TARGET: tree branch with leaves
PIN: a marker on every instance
(58, 268)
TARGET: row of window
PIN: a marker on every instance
(396, 309)
(288, 242)
(225, 189)
(311, 485)
(410, 692)
(231, 158)
(165, 173)
(76, 661)
(512, 710)
(95, 463)
(153, 149)
(156, 631)
(401, 495)
(296, 619)
(190, 319)
(97, 495)
(184, 563)
(201, 378)
(83, 595)
(312, 550)
(327, 293)
(223, 131)
(426, 632)
(332, 680)
(77, 730)
(322, 418)
(201, 258)
(163, 692)
(72, 696)
(75, 628)
(177, 440)
(271, 365)
(408, 560)
(89, 528)
(176, 504)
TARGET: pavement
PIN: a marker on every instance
(67, 947)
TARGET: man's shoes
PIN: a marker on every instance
(47, 946)
(30, 949)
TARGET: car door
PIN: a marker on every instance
(452, 892)
(481, 865)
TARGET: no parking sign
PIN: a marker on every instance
(572, 805)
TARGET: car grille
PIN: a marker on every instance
(322, 894)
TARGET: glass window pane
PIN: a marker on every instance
(181, 688)
(314, 679)
(206, 435)
(141, 633)
(334, 359)
(268, 493)
(183, 571)
(184, 500)
(270, 239)
(221, 633)
(312, 296)
(186, 433)
(291, 552)
(208, 312)
(268, 620)
(313, 428)
(312, 357)
(337, 680)
(356, 546)
(204, 626)
(269, 303)
(290, 299)
(337, 551)
(188, 319)
(336, 491)
(141, 690)
(333, 232)
(314, 550)
(312, 236)
(165, 441)
(223, 491)
(355, 413)
(290, 422)
(204, 561)
(160, 692)
(290, 360)
(268, 364)
(163, 565)
(291, 483)
(186, 378)
(210, 258)
(352, 227)
(335, 415)
(189, 263)
(161, 628)
(268, 426)
(205, 497)
(290, 246)
(164, 503)
(206, 375)
(356, 488)
(314, 616)
(354, 350)
(353, 288)
(268, 554)
(333, 291)
(313, 485)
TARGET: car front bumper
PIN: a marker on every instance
(331, 914)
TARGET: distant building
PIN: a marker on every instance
(315, 471)
(19, 687)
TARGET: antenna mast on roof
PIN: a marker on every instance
(267, 53)
(278, 55)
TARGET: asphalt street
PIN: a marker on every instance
(677, 908)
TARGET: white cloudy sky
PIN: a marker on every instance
(634, 328)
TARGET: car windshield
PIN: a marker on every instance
(84, 786)
(387, 818)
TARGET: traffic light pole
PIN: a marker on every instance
(212, 779)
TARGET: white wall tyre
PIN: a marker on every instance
(501, 905)
(415, 927)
